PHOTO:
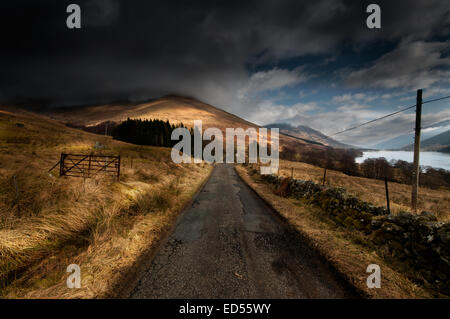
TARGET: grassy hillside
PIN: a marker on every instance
(373, 190)
(175, 109)
(47, 222)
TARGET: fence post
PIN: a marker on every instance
(118, 169)
(387, 195)
(292, 172)
(324, 176)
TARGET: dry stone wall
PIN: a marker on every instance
(419, 240)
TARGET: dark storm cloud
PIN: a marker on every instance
(142, 49)
(413, 64)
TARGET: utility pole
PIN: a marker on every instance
(415, 173)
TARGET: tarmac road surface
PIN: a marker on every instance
(229, 244)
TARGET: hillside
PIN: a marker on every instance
(437, 143)
(176, 109)
(104, 225)
(308, 134)
(407, 140)
(394, 143)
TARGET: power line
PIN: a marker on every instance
(438, 99)
(388, 115)
(431, 125)
(374, 120)
(411, 130)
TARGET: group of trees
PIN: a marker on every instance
(401, 172)
(378, 168)
(145, 132)
(429, 176)
(331, 158)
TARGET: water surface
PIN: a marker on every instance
(433, 159)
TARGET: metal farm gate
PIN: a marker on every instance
(87, 166)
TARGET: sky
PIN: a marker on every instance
(313, 63)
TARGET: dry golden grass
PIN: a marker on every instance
(47, 222)
(373, 191)
(346, 251)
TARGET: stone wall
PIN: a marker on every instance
(418, 241)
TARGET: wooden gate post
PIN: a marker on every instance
(89, 165)
(61, 165)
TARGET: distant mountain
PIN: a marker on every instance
(440, 142)
(394, 143)
(405, 140)
(308, 135)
